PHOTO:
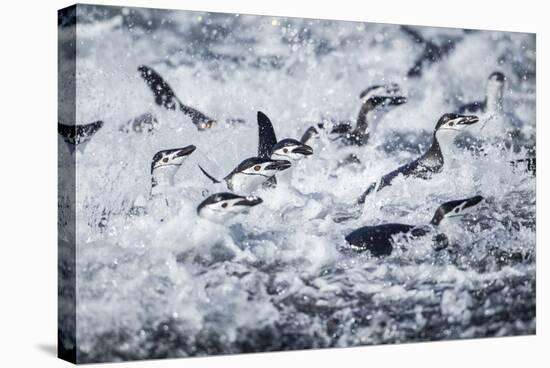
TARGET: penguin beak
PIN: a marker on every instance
(249, 201)
(468, 120)
(303, 150)
(186, 151)
(279, 165)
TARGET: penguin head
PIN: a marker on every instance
(383, 95)
(254, 171)
(220, 207)
(258, 166)
(290, 149)
(495, 90)
(455, 208)
(497, 77)
(455, 122)
(171, 157)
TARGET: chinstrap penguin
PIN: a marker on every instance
(433, 160)
(372, 98)
(250, 174)
(493, 102)
(286, 149)
(219, 207)
(165, 97)
(379, 240)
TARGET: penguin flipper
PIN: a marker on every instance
(214, 180)
(267, 139)
(310, 132)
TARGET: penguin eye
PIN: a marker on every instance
(165, 159)
(285, 150)
(457, 210)
(451, 123)
(257, 168)
(224, 205)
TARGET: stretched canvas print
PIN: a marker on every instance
(236, 183)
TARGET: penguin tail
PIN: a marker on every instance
(214, 180)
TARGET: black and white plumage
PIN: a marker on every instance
(250, 174)
(377, 96)
(285, 149)
(380, 240)
(221, 206)
(78, 135)
(432, 161)
(165, 165)
(493, 97)
(165, 97)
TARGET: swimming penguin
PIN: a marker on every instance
(371, 98)
(493, 97)
(250, 173)
(287, 149)
(219, 207)
(431, 53)
(432, 161)
(165, 96)
(380, 239)
(78, 135)
(165, 165)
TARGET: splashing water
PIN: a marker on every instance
(275, 279)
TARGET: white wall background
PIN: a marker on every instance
(28, 181)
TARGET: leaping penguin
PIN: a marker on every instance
(287, 149)
(165, 97)
(432, 161)
(493, 97)
(431, 53)
(380, 239)
(219, 207)
(503, 123)
(374, 97)
(250, 174)
(76, 136)
(165, 165)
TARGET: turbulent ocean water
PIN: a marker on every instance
(152, 289)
